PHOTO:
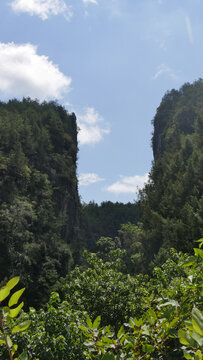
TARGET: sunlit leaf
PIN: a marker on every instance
(15, 297)
(4, 293)
(23, 356)
(199, 253)
(21, 327)
(197, 321)
(96, 322)
(198, 338)
(9, 341)
(89, 322)
(14, 312)
(148, 348)
(13, 282)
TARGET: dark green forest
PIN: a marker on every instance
(110, 281)
(39, 203)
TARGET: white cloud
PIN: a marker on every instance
(86, 2)
(189, 29)
(25, 73)
(128, 184)
(164, 69)
(42, 8)
(86, 179)
(91, 127)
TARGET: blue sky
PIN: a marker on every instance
(109, 61)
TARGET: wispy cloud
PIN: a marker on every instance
(46, 8)
(164, 69)
(128, 184)
(42, 8)
(189, 29)
(25, 73)
(91, 127)
(86, 2)
(86, 179)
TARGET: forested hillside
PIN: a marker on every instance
(172, 202)
(39, 206)
(136, 291)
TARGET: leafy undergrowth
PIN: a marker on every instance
(136, 317)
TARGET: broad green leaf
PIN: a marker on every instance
(99, 343)
(138, 323)
(151, 315)
(200, 241)
(4, 293)
(198, 355)
(83, 328)
(185, 338)
(148, 348)
(14, 349)
(14, 312)
(23, 356)
(120, 332)
(197, 321)
(189, 325)
(15, 297)
(123, 338)
(189, 262)
(170, 302)
(198, 318)
(145, 330)
(199, 253)
(106, 340)
(21, 327)
(13, 282)
(96, 322)
(187, 355)
(2, 342)
(181, 335)
(197, 338)
(9, 341)
(173, 322)
(89, 323)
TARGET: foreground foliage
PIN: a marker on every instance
(164, 323)
(133, 318)
(8, 327)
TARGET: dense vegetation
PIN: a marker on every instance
(172, 202)
(136, 293)
(105, 220)
(141, 317)
(39, 207)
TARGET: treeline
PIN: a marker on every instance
(105, 220)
